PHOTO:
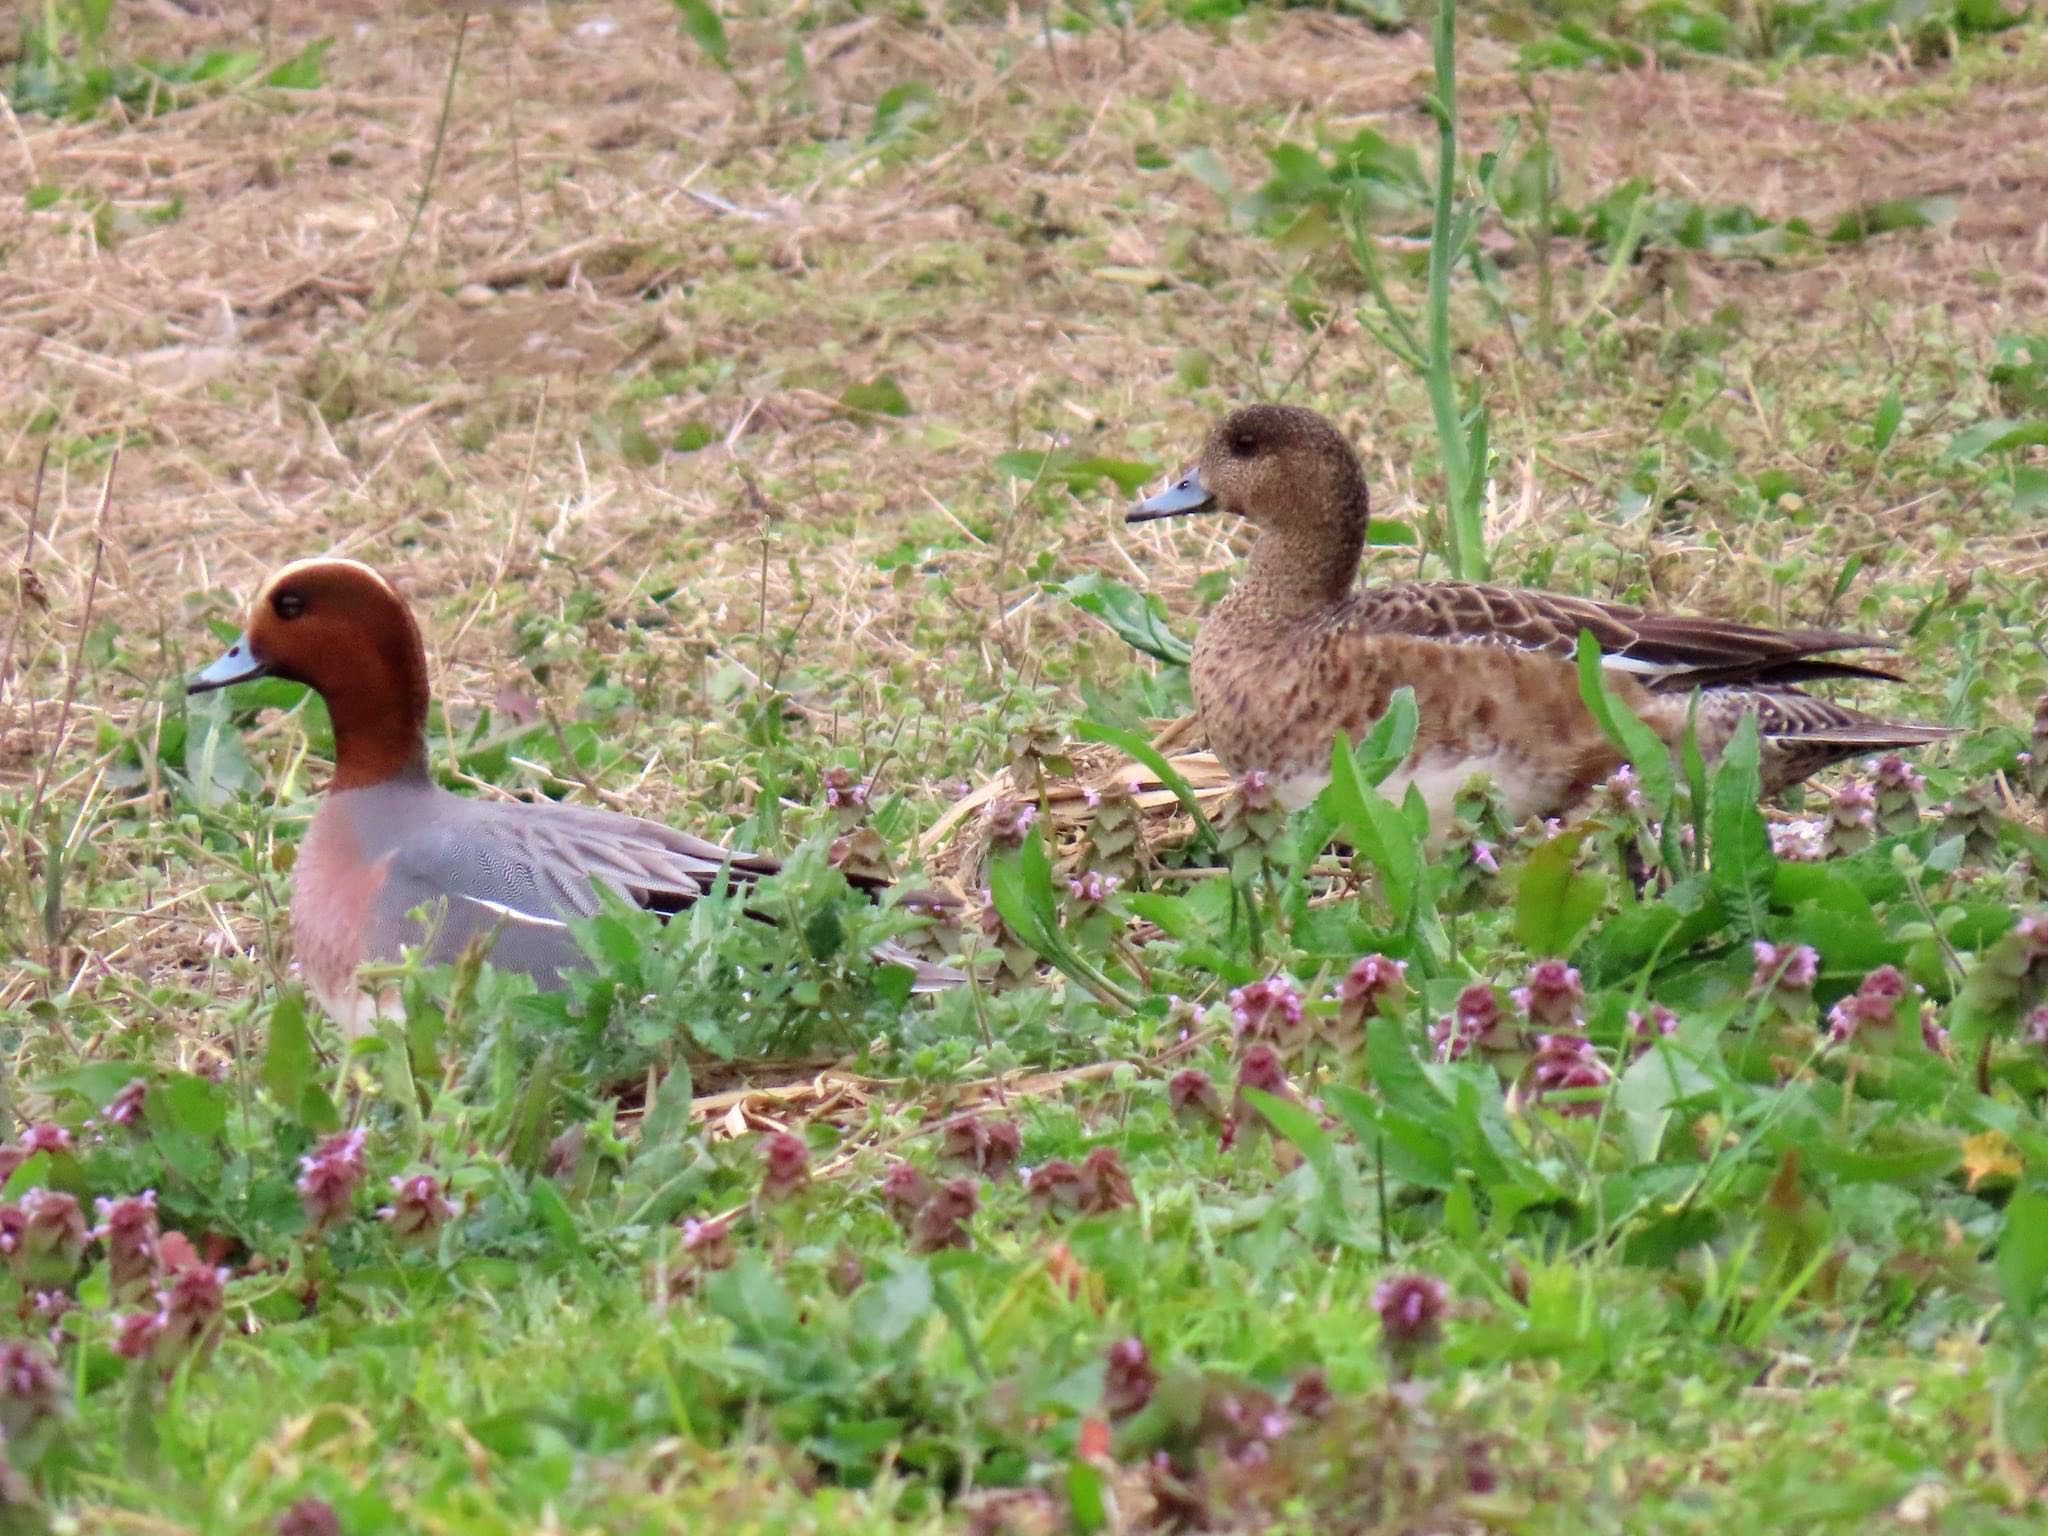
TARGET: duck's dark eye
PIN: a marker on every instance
(288, 605)
(1242, 444)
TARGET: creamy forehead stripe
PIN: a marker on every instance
(331, 562)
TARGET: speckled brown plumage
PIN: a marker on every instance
(1298, 651)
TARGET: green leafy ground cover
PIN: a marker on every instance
(746, 401)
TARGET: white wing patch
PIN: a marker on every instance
(512, 914)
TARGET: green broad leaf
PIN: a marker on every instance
(1998, 436)
(187, 1105)
(2023, 1254)
(949, 1303)
(1087, 1496)
(1644, 748)
(1742, 866)
(303, 71)
(1391, 739)
(702, 26)
(752, 1297)
(1656, 1081)
(547, 1206)
(1884, 426)
(1390, 838)
(95, 1081)
(1135, 746)
(1398, 1072)
(1310, 1139)
(1882, 218)
(886, 1310)
(1208, 168)
(1139, 617)
(1555, 902)
(288, 1056)
(666, 1122)
(1838, 1164)
(879, 396)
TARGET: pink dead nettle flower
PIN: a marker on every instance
(1932, 1034)
(844, 789)
(2037, 1025)
(1310, 1397)
(33, 1391)
(1567, 1062)
(1256, 790)
(1411, 1309)
(1784, 972)
(136, 1334)
(988, 919)
(193, 1307)
(1056, 1184)
(1553, 997)
(53, 1235)
(991, 1147)
(45, 1138)
(1475, 1019)
(125, 1107)
(1799, 842)
(941, 1222)
(708, 1244)
(785, 1166)
(1267, 1010)
(1623, 790)
(1653, 1024)
(1105, 1185)
(129, 1229)
(418, 1209)
(329, 1178)
(1874, 1004)
(1128, 1379)
(1483, 857)
(1260, 1067)
(1093, 888)
(1899, 791)
(190, 1313)
(1854, 804)
(1009, 821)
(1374, 985)
(1191, 1095)
(905, 1188)
(309, 1517)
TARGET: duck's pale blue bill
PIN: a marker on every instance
(1185, 495)
(238, 665)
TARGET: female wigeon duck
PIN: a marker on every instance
(388, 840)
(1299, 651)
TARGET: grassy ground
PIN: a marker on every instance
(737, 401)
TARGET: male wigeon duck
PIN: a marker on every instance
(1299, 651)
(388, 840)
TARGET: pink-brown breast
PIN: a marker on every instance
(334, 892)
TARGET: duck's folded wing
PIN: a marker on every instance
(1663, 651)
(523, 872)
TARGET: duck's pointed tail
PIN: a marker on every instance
(1801, 734)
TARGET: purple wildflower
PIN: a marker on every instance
(418, 1209)
(1268, 1010)
(1128, 1379)
(329, 1178)
(1553, 998)
(129, 1229)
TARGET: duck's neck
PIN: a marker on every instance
(380, 719)
(1298, 572)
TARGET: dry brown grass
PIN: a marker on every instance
(287, 375)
